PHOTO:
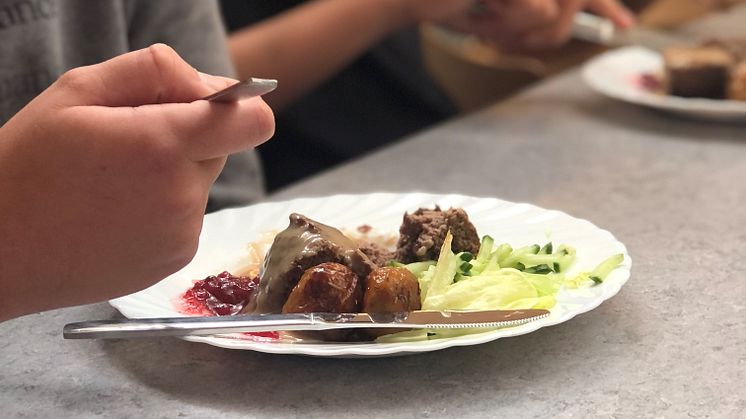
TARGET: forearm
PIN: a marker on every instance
(17, 273)
(30, 240)
(18, 276)
(306, 45)
(9, 273)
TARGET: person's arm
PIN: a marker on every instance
(309, 43)
(535, 24)
(104, 178)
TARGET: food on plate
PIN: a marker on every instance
(390, 290)
(304, 244)
(377, 253)
(697, 72)
(737, 86)
(220, 295)
(439, 264)
(713, 70)
(326, 288)
(422, 234)
(334, 288)
(307, 243)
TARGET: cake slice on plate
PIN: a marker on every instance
(698, 72)
(737, 86)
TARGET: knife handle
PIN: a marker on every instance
(183, 326)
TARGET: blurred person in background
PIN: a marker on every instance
(476, 73)
(107, 156)
(351, 74)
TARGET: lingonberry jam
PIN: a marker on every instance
(650, 82)
(222, 295)
(219, 295)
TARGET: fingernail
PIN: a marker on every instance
(628, 21)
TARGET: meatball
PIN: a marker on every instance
(305, 243)
(326, 288)
(377, 253)
(422, 234)
(390, 290)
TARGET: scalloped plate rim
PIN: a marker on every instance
(607, 85)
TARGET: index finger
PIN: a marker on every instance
(559, 31)
(207, 130)
(156, 74)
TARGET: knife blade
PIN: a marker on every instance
(243, 90)
(198, 326)
(592, 28)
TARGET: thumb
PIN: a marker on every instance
(152, 75)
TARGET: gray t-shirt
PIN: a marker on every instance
(41, 39)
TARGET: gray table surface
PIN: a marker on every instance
(671, 344)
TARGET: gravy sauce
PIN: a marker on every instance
(303, 244)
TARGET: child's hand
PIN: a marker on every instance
(104, 178)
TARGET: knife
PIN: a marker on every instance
(195, 326)
(592, 28)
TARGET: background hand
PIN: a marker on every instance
(535, 23)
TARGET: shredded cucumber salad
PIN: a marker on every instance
(497, 278)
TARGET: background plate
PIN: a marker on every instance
(617, 74)
(225, 235)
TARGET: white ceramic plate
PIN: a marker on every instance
(226, 233)
(617, 74)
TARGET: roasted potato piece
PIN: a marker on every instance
(390, 290)
(328, 287)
